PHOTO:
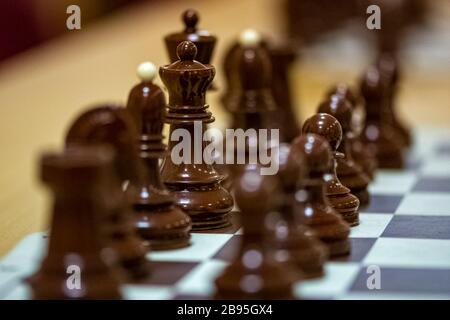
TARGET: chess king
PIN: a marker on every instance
(196, 186)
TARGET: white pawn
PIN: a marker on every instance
(146, 71)
(250, 38)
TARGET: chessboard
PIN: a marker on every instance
(405, 232)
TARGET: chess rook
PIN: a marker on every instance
(196, 186)
(378, 134)
(78, 180)
(283, 56)
(161, 223)
(389, 69)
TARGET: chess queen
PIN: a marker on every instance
(196, 186)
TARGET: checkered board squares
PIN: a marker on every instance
(405, 232)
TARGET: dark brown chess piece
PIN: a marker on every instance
(359, 152)
(389, 69)
(318, 214)
(203, 40)
(194, 183)
(254, 272)
(348, 171)
(249, 92)
(77, 179)
(340, 197)
(282, 56)
(379, 136)
(250, 98)
(159, 222)
(114, 127)
(297, 242)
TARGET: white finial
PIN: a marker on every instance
(146, 71)
(249, 37)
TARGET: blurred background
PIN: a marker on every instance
(49, 74)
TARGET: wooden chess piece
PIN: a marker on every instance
(249, 94)
(318, 214)
(389, 69)
(348, 171)
(254, 272)
(194, 183)
(249, 70)
(282, 56)
(379, 135)
(297, 243)
(159, 222)
(203, 40)
(77, 179)
(339, 196)
(362, 155)
(114, 127)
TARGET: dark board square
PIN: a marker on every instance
(419, 227)
(443, 149)
(433, 184)
(360, 248)
(229, 250)
(167, 272)
(430, 281)
(413, 164)
(380, 203)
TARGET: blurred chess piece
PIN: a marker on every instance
(378, 134)
(78, 179)
(112, 125)
(358, 150)
(296, 242)
(254, 273)
(317, 213)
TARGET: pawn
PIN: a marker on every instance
(113, 126)
(340, 197)
(317, 213)
(389, 69)
(159, 222)
(378, 134)
(254, 273)
(78, 179)
(362, 155)
(348, 171)
(296, 241)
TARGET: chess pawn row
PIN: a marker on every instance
(340, 197)
(348, 171)
(362, 155)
